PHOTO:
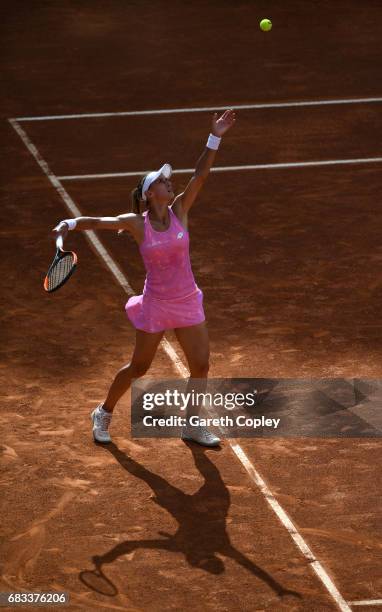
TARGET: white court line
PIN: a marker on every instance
(290, 527)
(328, 162)
(367, 602)
(236, 448)
(73, 209)
(202, 109)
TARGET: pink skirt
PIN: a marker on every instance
(153, 315)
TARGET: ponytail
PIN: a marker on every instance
(138, 205)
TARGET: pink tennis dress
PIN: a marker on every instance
(171, 297)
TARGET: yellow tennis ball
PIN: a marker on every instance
(265, 25)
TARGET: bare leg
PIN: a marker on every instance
(145, 348)
(195, 344)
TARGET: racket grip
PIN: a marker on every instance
(59, 242)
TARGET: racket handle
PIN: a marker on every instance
(59, 242)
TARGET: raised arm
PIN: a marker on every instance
(128, 221)
(185, 200)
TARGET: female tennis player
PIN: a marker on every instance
(171, 298)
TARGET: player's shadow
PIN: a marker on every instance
(201, 535)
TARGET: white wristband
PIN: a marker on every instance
(213, 142)
(71, 223)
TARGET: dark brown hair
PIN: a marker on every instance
(138, 206)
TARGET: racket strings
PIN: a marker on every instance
(60, 271)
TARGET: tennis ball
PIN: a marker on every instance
(265, 25)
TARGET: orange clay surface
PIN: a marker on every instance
(290, 265)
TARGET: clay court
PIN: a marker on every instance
(286, 246)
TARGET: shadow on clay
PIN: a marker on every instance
(201, 535)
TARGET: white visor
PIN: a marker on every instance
(166, 170)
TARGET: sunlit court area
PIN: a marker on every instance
(285, 245)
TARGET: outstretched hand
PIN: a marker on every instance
(222, 124)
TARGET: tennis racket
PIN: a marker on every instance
(61, 269)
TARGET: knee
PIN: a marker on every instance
(138, 368)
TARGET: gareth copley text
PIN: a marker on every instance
(223, 421)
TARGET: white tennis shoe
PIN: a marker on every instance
(101, 421)
(199, 434)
